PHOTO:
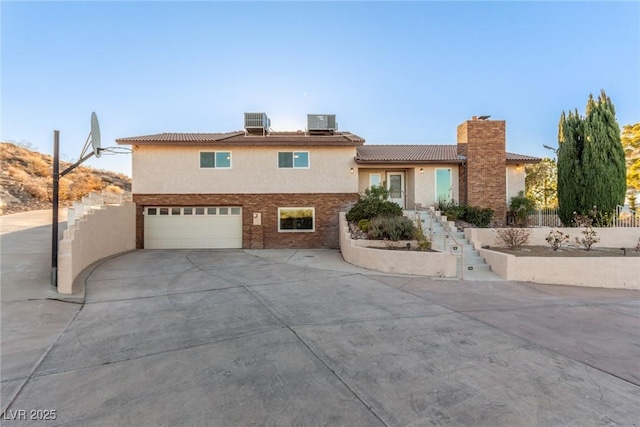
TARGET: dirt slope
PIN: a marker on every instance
(25, 180)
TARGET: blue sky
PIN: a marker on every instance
(392, 72)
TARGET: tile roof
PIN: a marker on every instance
(179, 137)
(240, 138)
(422, 154)
(515, 158)
(408, 154)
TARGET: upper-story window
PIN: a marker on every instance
(293, 159)
(215, 159)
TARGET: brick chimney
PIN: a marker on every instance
(483, 182)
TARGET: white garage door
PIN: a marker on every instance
(192, 227)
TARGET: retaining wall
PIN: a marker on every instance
(98, 234)
(600, 272)
(614, 237)
(595, 272)
(397, 262)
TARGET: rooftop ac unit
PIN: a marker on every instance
(321, 123)
(256, 123)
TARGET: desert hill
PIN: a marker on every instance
(25, 180)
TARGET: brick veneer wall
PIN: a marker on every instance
(484, 184)
(265, 236)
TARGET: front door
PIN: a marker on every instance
(395, 184)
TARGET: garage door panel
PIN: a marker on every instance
(192, 231)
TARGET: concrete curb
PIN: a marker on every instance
(79, 283)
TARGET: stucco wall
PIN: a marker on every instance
(618, 237)
(398, 262)
(99, 234)
(420, 187)
(605, 272)
(176, 170)
(515, 181)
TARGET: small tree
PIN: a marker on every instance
(541, 183)
(522, 207)
(630, 139)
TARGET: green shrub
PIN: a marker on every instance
(442, 204)
(391, 227)
(423, 240)
(522, 207)
(454, 212)
(451, 209)
(477, 216)
(374, 203)
(363, 225)
(556, 239)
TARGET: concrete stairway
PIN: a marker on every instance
(475, 267)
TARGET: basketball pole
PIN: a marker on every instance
(55, 198)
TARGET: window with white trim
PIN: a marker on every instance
(296, 219)
(293, 159)
(215, 160)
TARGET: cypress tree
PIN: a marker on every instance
(603, 162)
(570, 147)
(591, 161)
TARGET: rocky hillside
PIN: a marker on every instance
(25, 180)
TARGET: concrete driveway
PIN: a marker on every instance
(243, 338)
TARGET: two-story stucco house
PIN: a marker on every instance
(262, 189)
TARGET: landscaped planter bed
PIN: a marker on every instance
(597, 269)
(605, 266)
(573, 252)
(619, 237)
(357, 252)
